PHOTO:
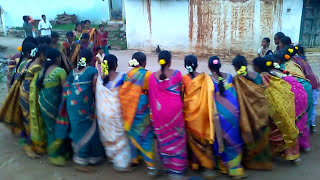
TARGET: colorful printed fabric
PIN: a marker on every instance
(254, 122)
(113, 136)
(86, 143)
(136, 115)
(198, 115)
(168, 123)
(282, 112)
(228, 144)
(49, 100)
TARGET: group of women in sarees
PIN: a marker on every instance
(203, 121)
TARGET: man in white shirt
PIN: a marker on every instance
(45, 26)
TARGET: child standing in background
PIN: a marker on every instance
(265, 49)
(103, 39)
(99, 57)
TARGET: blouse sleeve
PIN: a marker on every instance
(62, 74)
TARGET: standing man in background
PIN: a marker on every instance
(45, 26)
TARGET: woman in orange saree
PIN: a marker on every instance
(136, 113)
(198, 114)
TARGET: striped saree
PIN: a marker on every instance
(49, 101)
(168, 123)
(228, 144)
(136, 114)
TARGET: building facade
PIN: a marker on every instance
(220, 27)
(95, 10)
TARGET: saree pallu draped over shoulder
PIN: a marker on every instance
(282, 113)
(113, 136)
(168, 123)
(254, 123)
(11, 112)
(136, 115)
(229, 143)
(199, 111)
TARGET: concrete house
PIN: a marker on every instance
(221, 27)
(94, 10)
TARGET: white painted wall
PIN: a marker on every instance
(170, 25)
(94, 10)
(291, 21)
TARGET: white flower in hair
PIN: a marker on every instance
(34, 52)
(189, 69)
(133, 63)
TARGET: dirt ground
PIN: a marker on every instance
(14, 165)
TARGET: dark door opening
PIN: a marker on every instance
(310, 26)
(116, 10)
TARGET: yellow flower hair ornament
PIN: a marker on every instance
(287, 57)
(162, 62)
(133, 63)
(82, 62)
(290, 50)
(220, 78)
(19, 48)
(105, 67)
(268, 63)
(242, 71)
(296, 47)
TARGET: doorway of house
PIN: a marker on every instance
(310, 26)
(116, 7)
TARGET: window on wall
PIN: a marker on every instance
(116, 10)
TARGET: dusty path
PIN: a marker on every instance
(14, 165)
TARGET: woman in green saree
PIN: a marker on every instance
(50, 83)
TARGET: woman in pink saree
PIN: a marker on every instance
(167, 116)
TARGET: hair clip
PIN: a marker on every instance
(290, 50)
(268, 63)
(296, 47)
(19, 48)
(48, 59)
(34, 52)
(220, 78)
(215, 61)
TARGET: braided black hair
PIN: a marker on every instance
(166, 55)
(86, 53)
(26, 50)
(216, 68)
(112, 64)
(191, 61)
(239, 61)
(52, 55)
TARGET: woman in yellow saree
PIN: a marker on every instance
(198, 114)
(34, 132)
(254, 116)
(283, 130)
